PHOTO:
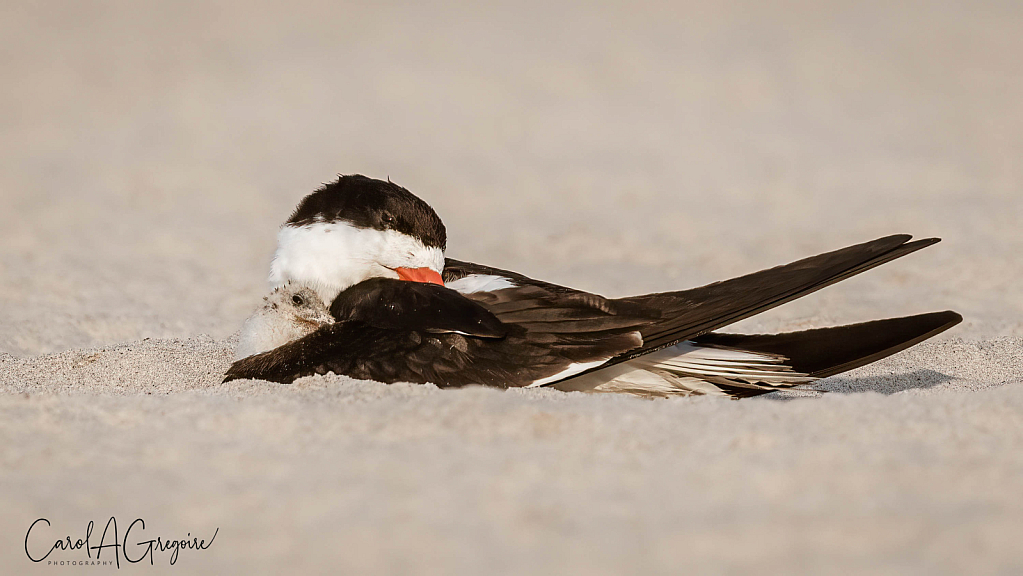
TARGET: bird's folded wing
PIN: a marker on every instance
(429, 308)
(824, 352)
(354, 348)
(396, 331)
(689, 313)
(667, 318)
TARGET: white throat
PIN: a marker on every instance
(268, 329)
(331, 256)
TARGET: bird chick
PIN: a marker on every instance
(288, 313)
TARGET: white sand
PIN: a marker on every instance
(149, 153)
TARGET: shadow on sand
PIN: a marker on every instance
(887, 384)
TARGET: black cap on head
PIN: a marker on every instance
(370, 203)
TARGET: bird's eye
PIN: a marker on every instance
(298, 300)
(387, 218)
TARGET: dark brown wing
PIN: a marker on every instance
(545, 308)
(690, 313)
(823, 352)
(459, 269)
(361, 350)
(389, 303)
(396, 331)
(667, 318)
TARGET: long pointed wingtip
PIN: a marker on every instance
(927, 241)
(915, 245)
(905, 240)
(953, 317)
(940, 321)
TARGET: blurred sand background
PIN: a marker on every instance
(149, 151)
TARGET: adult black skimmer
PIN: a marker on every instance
(404, 313)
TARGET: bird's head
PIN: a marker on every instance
(358, 228)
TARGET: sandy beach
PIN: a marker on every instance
(150, 151)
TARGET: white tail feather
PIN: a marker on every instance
(687, 368)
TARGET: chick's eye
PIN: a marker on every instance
(297, 300)
(387, 218)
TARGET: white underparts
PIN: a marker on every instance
(480, 283)
(331, 256)
(262, 332)
(572, 370)
(268, 329)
